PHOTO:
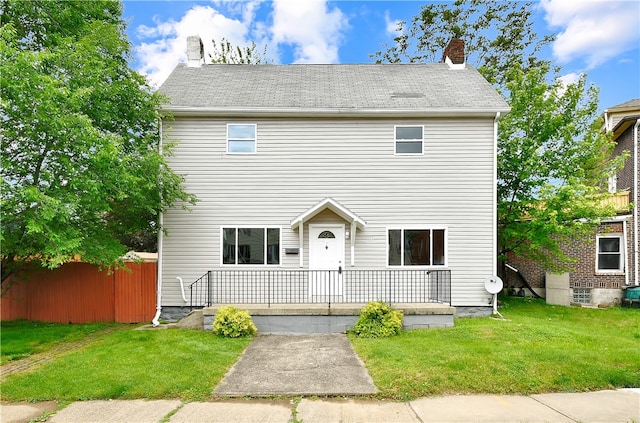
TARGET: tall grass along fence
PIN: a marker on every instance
(81, 293)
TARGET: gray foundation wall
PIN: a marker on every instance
(174, 313)
(462, 311)
(330, 324)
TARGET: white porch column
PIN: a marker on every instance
(352, 238)
(301, 243)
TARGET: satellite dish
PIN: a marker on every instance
(493, 284)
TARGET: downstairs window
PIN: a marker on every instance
(417, 247)
(610, 253)
(251, 246)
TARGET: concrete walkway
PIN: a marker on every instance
(604, 406)
(297, 365)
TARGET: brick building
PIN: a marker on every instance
(608, 262)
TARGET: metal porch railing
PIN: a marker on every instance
(320, 287)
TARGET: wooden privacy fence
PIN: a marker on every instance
(80, 293)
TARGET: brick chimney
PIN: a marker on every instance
(195, 51)
(454, 54)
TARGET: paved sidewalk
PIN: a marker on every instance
(604, 406)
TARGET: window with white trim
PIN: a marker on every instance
(251, 246)
(241, 138)
(409, 139)
(417, 247)
(609, 253)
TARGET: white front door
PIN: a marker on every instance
(326, 261)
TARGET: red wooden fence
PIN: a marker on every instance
(80, 293)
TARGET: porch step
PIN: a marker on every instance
(193, 320)
(320, 318)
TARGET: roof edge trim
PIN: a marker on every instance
(268, 112)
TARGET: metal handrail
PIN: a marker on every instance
(320, 287)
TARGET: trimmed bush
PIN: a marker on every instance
(232, 322)
(378, 320)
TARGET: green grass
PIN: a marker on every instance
(539, 348)
(20, 338)
(172, 363)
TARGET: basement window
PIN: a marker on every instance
(581, 296)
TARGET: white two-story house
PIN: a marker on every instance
(331, 183)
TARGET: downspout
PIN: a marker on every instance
(156, 318)
(495, 194)
(635, 201)
(625, 235)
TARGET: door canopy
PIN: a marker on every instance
(335, 207)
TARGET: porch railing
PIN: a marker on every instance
(320, 287)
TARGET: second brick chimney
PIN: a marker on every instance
(454, 53)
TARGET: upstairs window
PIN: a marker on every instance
(417, 247)
(409, 139)
(241, 138)
(610, 254)
(250, 246)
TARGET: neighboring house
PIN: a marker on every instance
(340, 183)
(609, 262)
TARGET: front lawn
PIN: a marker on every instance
(20, 338)
(170, 363)
(538, 348)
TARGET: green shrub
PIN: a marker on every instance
(231, 322)
(378, 320)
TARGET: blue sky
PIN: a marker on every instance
(598, 37)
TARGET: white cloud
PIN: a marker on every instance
(566, 80)
(593, 31)
(570, 78)
(314, 31)
(168, 45)
(391, 26)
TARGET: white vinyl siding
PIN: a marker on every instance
(302, 161)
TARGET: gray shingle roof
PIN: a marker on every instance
(372, 87)
(635, 103)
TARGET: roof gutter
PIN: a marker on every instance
(331, 112)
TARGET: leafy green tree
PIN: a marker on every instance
(552, 162)
(225, 52)
(552, 157)
(496, 35)
(81, 166)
